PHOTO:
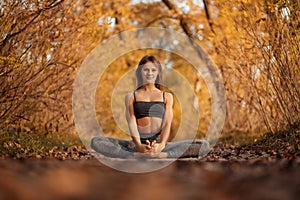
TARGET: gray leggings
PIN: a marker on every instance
(117, 148)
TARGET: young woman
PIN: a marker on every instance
(149, 115)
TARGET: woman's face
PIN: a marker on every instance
(149, 73)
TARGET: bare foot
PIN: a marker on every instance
(139, 155)
(150, 155)
(158, 155)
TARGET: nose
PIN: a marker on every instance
(149, 72)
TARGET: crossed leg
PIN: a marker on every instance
(118, 148)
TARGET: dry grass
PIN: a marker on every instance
(21, 144)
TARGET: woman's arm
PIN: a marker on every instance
(165, 132)
(131, 121)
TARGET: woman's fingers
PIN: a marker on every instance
(148, 142)
(153, 143)
(148, 145)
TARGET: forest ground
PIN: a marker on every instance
(230, 171)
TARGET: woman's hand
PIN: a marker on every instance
(157, 147)
(151, 150)
(144, 148)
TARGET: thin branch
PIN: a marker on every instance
(207, 14)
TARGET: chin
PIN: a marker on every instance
(149, 81)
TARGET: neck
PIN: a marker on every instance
(149, 87)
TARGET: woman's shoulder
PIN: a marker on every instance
(129, 96)
(168, 96)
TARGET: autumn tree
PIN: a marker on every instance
(255, 45)
(41, 47)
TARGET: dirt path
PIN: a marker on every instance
(258, 178)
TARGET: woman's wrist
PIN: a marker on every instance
(140, 147)
(163, 145)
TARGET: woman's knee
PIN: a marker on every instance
(202, 142)
(97, 140)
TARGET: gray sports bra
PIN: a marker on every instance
(149, 108)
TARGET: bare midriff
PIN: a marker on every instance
(149, 124)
